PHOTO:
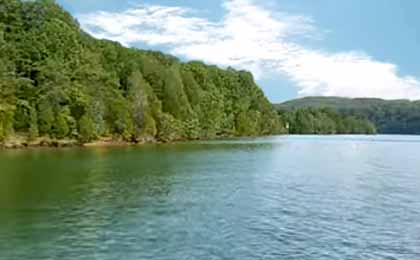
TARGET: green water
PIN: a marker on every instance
(267, 198)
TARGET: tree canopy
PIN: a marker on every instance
(388, 116)
(325, 121)
(57, 81)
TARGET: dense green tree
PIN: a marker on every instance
(45, 117)
(87, 129)
(61, 128)
(6, 121)
(325, 121)
(169, 128)
(57, 81)
(388, 116)
(33, 130)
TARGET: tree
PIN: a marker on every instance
(45, 117)
(58, 81)
(87, 130)
(325, 121)
(6, 121)
(60, 128)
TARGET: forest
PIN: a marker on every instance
(388, 116)
(58, 82)
(325, 121)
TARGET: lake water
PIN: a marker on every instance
(347, 197)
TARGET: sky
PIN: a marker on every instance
(294, 48)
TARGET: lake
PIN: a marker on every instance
(286, 197)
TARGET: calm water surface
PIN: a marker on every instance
(269, 198)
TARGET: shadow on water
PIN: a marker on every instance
(73, 198)
(39, 179)
(75, 195)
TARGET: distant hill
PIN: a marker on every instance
(389, 116)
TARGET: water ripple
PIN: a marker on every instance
(271, 198)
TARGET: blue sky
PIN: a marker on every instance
(353, 48)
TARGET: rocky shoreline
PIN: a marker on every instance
(21, 143)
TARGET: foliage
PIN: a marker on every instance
(87, 129)
(325, 121)
(57, 81)
(389, 116)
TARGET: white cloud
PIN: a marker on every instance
(255, 38)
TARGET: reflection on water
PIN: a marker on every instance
(266, 198)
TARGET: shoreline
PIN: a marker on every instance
(19, 143)
(22, 143)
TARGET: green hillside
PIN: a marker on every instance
(389, 116)
(325, 121)
(58, 82)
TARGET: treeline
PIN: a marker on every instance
(324, 121)
(389, 116)
(56, 81)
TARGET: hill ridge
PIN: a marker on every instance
(398, 116)
(57, 81)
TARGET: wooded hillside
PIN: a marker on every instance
(57, 81)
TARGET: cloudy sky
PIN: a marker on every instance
(351, 48)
